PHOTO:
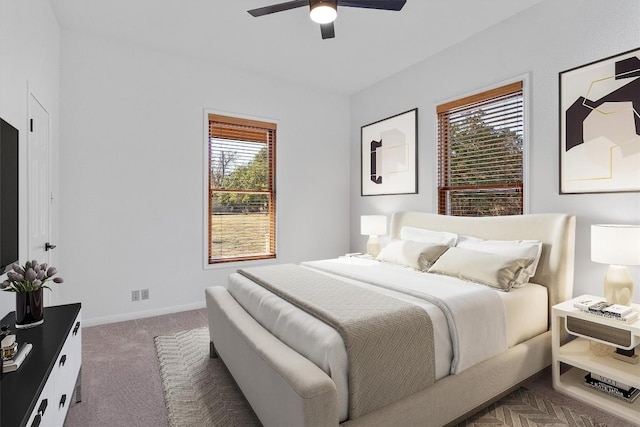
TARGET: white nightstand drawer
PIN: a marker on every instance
(605, 333)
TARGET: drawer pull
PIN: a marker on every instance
(43, 406)
(75, 329)
(63, 399)
(63, 359)
(36, 421)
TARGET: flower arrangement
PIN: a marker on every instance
(29, 277)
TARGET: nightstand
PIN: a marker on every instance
(573, 360)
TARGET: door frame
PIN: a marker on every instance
(32, 97)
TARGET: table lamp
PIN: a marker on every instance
(618, 246)
(373, 226)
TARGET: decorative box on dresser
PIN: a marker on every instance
(572, 360)
(40, 391)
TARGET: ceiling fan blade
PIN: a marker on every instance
(281, 7)
(327, 30)
(374, 4)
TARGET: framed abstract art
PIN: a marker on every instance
(389, 155)
(600, 126)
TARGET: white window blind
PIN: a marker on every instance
(480, 153)
(241, 189)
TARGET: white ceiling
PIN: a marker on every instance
(370, 45)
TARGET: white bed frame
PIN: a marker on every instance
(286, 389)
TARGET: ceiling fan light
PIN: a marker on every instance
(323, 12)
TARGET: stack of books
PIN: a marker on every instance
(10, 365)
(611, 387)
(602, 308)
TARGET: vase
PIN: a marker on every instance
(29, 309)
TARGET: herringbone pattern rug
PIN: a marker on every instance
(523, 408)
(199, 391)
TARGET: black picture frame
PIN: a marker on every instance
(599, 126)
(389, 155)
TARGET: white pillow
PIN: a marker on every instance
(417, 255)
(497, 271)
(428, 236)
(512, 248)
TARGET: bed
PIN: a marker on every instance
(286, 387)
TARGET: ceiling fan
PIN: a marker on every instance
(324, 12)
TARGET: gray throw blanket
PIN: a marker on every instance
(390, 346)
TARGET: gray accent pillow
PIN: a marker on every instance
(513, 248)
(497, 271)
(417, 255)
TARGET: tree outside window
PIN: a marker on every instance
(480, 150)
(241, 189)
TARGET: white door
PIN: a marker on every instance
(39, 181)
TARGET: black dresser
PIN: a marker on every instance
(40, 391)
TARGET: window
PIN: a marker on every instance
(242, 194)
(480, 153)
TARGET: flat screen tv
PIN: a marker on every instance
(8, 196)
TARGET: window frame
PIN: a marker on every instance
(238, 261)
(524, 80)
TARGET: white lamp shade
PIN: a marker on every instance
(615, 244)
(373, 225)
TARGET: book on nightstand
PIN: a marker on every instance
(611, 387)
(609, 381)
(600, 307)
(14, 363)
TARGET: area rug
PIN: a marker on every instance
(199, 391)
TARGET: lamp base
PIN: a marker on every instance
(373, 246)
(628, 356)
(618, 285)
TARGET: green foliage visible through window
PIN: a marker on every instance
(241, 189)
(480, 150)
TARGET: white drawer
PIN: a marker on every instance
(66, 371)
(45, 413)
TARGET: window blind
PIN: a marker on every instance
(241, 189)
(480, 153)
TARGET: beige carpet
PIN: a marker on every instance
(199, 391)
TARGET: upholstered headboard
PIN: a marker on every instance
(555, 231)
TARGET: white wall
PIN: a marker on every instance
(131, 145)
(540, 42)
(132, 173)
(29, 61)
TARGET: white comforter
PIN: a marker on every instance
(469, 319)
(475, 315)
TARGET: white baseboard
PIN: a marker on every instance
(141, 314)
